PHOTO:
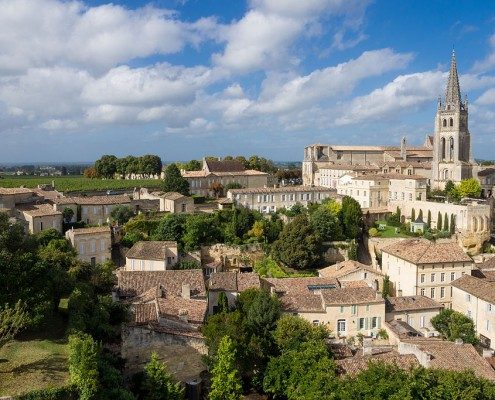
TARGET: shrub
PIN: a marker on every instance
(373, 232)
(63, 393)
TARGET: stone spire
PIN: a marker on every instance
(453, 92)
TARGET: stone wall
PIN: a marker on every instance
(232, 257)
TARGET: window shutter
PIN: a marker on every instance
(366, 323)
(379, 322)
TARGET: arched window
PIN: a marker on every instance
(444, 122)
(451, 122)
(442, 148)
(451, 148)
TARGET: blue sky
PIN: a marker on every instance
(188, 78)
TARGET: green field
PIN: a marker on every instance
(35, 361)
(77, 183)
(389, 231)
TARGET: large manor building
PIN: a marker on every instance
(445, 155)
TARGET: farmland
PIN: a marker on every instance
(77, 183)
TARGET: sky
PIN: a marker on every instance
(188, 78)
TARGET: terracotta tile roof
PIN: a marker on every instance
(422, 251)
(284, 189)
(358, 363)
(172, 196)
(344, 268)
(486, 172)
(38, 210)
(224, 166)
(488, 264)
(175, 307)
(341, 350)
(299, 294)
(353, 284)
(14, 191)
(374, 177)
(248, 172)
(133, 283)
(483, 289)
(233, 281)
(402, 329)
(454, 357)
(91, 230)
(94, 200)
(194, 174)
(405, 164)
(144, 313)
(410, 303)
(150, 250)
(350, 295)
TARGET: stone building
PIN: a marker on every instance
(152, 256)
(223, 173)
(93, 245)
(349, 271)
(39, 217)
(267, 200)
(418, 267)
(10, 197)
(171, 202)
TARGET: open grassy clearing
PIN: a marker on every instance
(35, 360)
(77, 183)
(389, 231)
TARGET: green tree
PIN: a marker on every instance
(67, 214)
(158, 383)
(352, 251)
(326, 224)
(223, 303)
(469, 188)
(428, 222)
(232, 185)
(121, 214)
(420, 215)
(83, 365)
(452, 223)
(352, 217)
(386, 287)
(150, 165)
(171, 227)
(200, 229)
(398, 213)
(226, 381)
(292, 331)
(106, 166)
(439, 221)
(12, 320)
(192, 165)
(413, 215)
(174, 182)
(298, 246)
(446, 223)
(453, 325)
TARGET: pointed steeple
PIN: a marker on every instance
(453, 92)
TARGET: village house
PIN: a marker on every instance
(416, 311)
(92, 210)
(171, 202)
(152, 256)
(328, 176)
(222, 173)
(39, 217)
(231, 284)
(418, 267)
(10, 197)
(475, 298)
(93, 245)
(350, 270)
(267, 200)
(346, 308)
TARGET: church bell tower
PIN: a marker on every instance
(452, 158)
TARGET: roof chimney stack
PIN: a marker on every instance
(186, 291)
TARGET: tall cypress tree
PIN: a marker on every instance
(413, 215)
(439, 221)
(429, 219)
(420, 216)
(226, 381)
(452, 223)
(446, 223)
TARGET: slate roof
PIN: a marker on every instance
(134, 283)
(410, 303)
(483, 289)
(422, 251)
(150, 250)
(225, 166)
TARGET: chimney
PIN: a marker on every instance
(367, 347)
(186, 291)
(459, 341)
(160, 292)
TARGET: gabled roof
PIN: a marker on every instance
(14, 191)
(422, 251)
(134, 283)
(483, 289)
(410, 303)
(38, 210)
(224, 166)
(345, 268)
(350, 295)
(150, 250)
(354, 365)
(94, 200)
(233, 281)
(91, 230)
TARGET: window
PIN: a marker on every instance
(316, 322)
(468, 297)
(469, 313)
(442, 292)
(81, 248)
(422, 321)
(142, 265)
(341, 309)
(102, 245)
(422, 278)
(41, 225)
(95, 210)
(169, 260)
(93, 246)
(183, 207)
(375, 322)
(432, 292)
(452, 276)
(487, 325)
(353, 309)
(432, 278)
(341, 328)
(489, 307)
(361, 323)
(442, 277)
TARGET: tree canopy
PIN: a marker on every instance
(174, 182)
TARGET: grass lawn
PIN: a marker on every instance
(35, 360)
(389, 231)
(77, 183)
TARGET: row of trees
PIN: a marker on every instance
(109, 165)
(254, 162)
(254, 346)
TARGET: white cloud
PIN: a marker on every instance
(489, 62)
(487, 98)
